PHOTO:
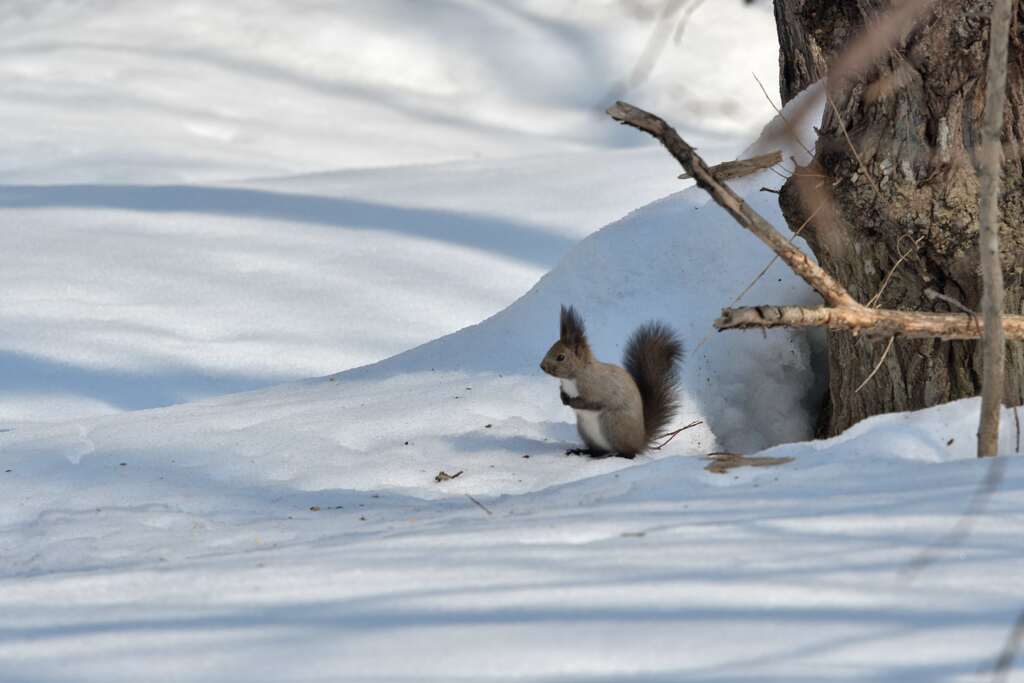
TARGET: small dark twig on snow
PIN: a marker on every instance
(479, 504)
(672, 435)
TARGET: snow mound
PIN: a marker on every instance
(680, 260)
(470, 401)
(169, 294)
(419, 162)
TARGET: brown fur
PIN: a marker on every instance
(629, 408)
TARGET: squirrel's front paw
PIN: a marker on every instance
(565, 398)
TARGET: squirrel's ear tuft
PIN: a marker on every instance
(572, 333)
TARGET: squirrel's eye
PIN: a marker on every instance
(561, 357)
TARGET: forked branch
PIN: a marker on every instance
(727, 170)
(842, 311)
(831, 291)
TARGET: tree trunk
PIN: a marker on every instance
(914, 119)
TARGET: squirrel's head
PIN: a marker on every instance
(567, 355)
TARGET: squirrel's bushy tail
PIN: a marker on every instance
(652, 353)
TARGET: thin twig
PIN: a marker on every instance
(672, 435)
(789, 126)
(1016, 421)
(873, 301)
(829, 288)
(479, 504)
(1001, 670)
(758, 277)
(863, 168)
(778, 173)
(881, 360)
(796, 233)
(932, 294)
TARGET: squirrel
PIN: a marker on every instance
(620, 411)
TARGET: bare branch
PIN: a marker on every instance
(757, 278)
(742, 167)
(674, 434)
(932, 294)
(993, 343)
(789, 126)
(878, 366)
(856, 155)
(833, 292)
(796, 233)
(874, 301)
(843, 312)
(870, 322)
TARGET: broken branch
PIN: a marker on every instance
(843, 312)
(870, 322)
(833, 292)
(727, 170)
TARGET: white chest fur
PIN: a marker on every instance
(588, 421)
(589, 424)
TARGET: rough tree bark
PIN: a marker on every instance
(915, 120)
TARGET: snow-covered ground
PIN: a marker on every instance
(228, 558)
(190, 91)
(201, 197)
(296, 532)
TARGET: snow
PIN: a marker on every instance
(239, 194)
(185, 91)
(295, 531)
(658, 571)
